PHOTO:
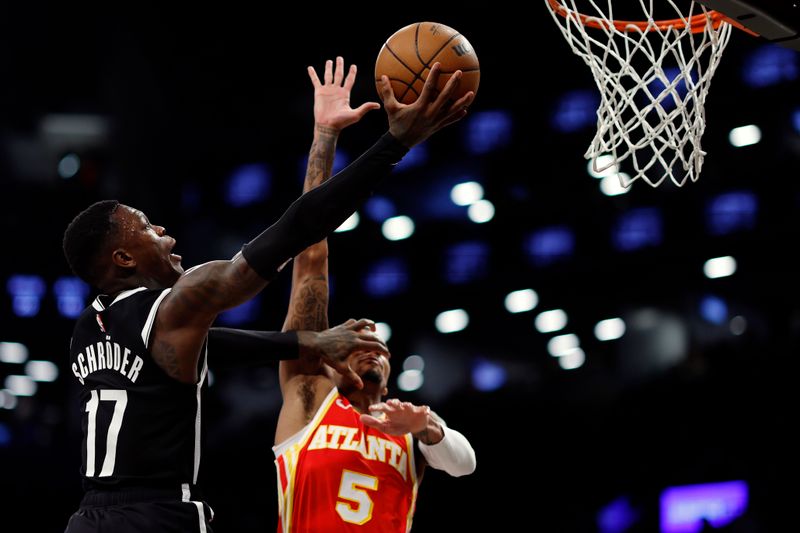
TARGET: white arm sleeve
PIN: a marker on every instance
(453, 453)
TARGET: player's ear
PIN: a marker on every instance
(120, 257)
(384, 392)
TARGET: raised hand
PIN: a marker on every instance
(398, 417)
(335, 345)
(413, 123)
(332, 98)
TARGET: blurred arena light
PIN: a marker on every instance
(719, 267)
(452, 321)
(549, 321)
(521, 301)
(398, 228)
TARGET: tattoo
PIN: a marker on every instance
(320, 158)
(211, 289)
(310, 305)
(166, 357)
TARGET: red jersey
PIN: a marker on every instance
(336, 474)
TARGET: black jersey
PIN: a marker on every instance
(140, 426)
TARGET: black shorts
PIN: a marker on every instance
(141, 510)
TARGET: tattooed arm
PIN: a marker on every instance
(306, 380)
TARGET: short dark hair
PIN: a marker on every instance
(87, 235)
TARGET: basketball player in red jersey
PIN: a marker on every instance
(339, 468)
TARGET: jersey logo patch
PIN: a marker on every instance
(100, 323)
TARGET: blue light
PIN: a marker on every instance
(26, 293)
(769, 65)
(549, 245)
(617, 517)
(340, 160)
(796, 120)
(71, 295)
(488, 376)
(5, 435)
(637, 229)
(683, 509)
(657, 86)
(714, 309)
(466, 261)
(386, 277)
(248, 184)
(731, 211)
(417, 156)
(241, 314)
(379, 208)
(488, 130)
(576, 110)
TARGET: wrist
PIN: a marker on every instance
(326, 130)
(431, 433)
(307, 343)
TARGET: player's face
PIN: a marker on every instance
(150, 247)
(371, 368)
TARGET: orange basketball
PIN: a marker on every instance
(407, 56)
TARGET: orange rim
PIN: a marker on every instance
(696, 23)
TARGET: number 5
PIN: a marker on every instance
(352, 488)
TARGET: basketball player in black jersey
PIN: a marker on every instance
(138, 352)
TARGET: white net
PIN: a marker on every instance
(653, 81)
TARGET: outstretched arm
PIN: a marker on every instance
(187, 312)
(442, 447)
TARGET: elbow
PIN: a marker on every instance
(467, 466)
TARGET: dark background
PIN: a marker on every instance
(191, 95)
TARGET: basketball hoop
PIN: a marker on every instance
(653, 77)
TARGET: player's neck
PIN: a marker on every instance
(362, 399)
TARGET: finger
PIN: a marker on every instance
(314, 78)
(448, 90)
(387, 94)
(380, 406)
(431, 83)
(362, 323)
(363, 109)
(372, 347)
(351, 78)
(328, 72)
(338, 74)
(372, 422)
(458, 109)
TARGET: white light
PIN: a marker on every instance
(605, 165)
(410, 380)
(719, 267)
(383, 330)
(466, 193)
(13, 352)
(69, 165)
(745, 135)
(610, 185)
(481, 211)
(398, 228)
(562, 344)
(549, 321)
(414, 362)
(452, 321)
(41, 370)
(20, 385)
(521, 301)
(7, 400)
(572, 360)
(609, 329)
(351, 223)
(738, 325)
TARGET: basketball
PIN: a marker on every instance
(407, 56)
